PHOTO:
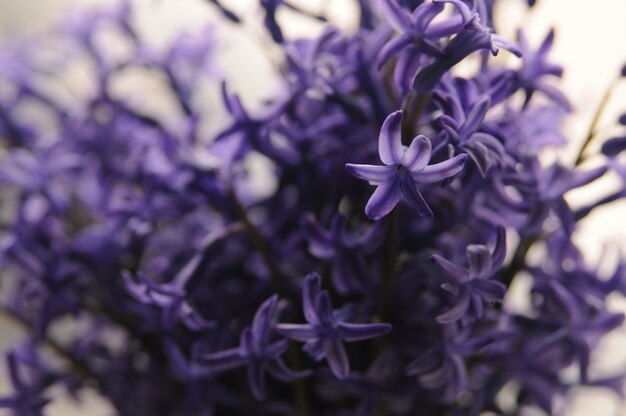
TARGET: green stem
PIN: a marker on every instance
(593, 127)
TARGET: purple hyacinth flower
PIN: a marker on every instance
(256, 352)
(406, 168)
(415, 36)
(324, 333)
(464, 132)
(474, 37)
(345, 250)
(535, 66)
(473, 285)
(28, 397)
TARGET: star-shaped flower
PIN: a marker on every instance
(406, 168)
(256, 352)
(324, 332)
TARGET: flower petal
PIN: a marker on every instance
(375, 175)
(418, 154)
(450, 269)
(475, 117)
(415, 198)
(397, 17)
(337, 358)
(479, 259)
(457, 311)
(440, 171)
(321, 243)
(310, 291)
(390, 139)
(358, 332)
(325, 312)
(263, 319)
(297, 332)
(391, 48)
(280, 371)
(256, 378)
(383, 200)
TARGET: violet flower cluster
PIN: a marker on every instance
(373, 278)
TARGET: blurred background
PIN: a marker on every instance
(589, 44)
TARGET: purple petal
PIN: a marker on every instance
(280, 371)
(263, 319)
(256, 378)
(383, 200)
(479, 154)
(423, 363)
(415, 198)
(321, 243)
(499, 251)
(479, 259)
(390, 139)
(457, 312)
(397, 17)
(500, 42)
(325, 312)
(489, 290)
(315, 348)
(425, 13)
(579, 179)
(375, 175)
(461, 7)
(392, 48)
(406, 68)
(275, 349)
(448, 27)
(554, 94)
(358, 332)
(337, 358)
(310, 292)
(450, 269)
(297, 332)
(223, 360)
(440, 171)
(418, 154)
(475, 117)
(192, 319)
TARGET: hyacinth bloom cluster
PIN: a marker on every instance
(373, 277)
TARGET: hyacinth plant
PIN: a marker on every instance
(372, 279)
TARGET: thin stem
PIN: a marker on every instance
(259, 242)
(593, 127)
(77, 365)
(299, 386)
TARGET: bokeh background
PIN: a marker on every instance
(590, 44)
